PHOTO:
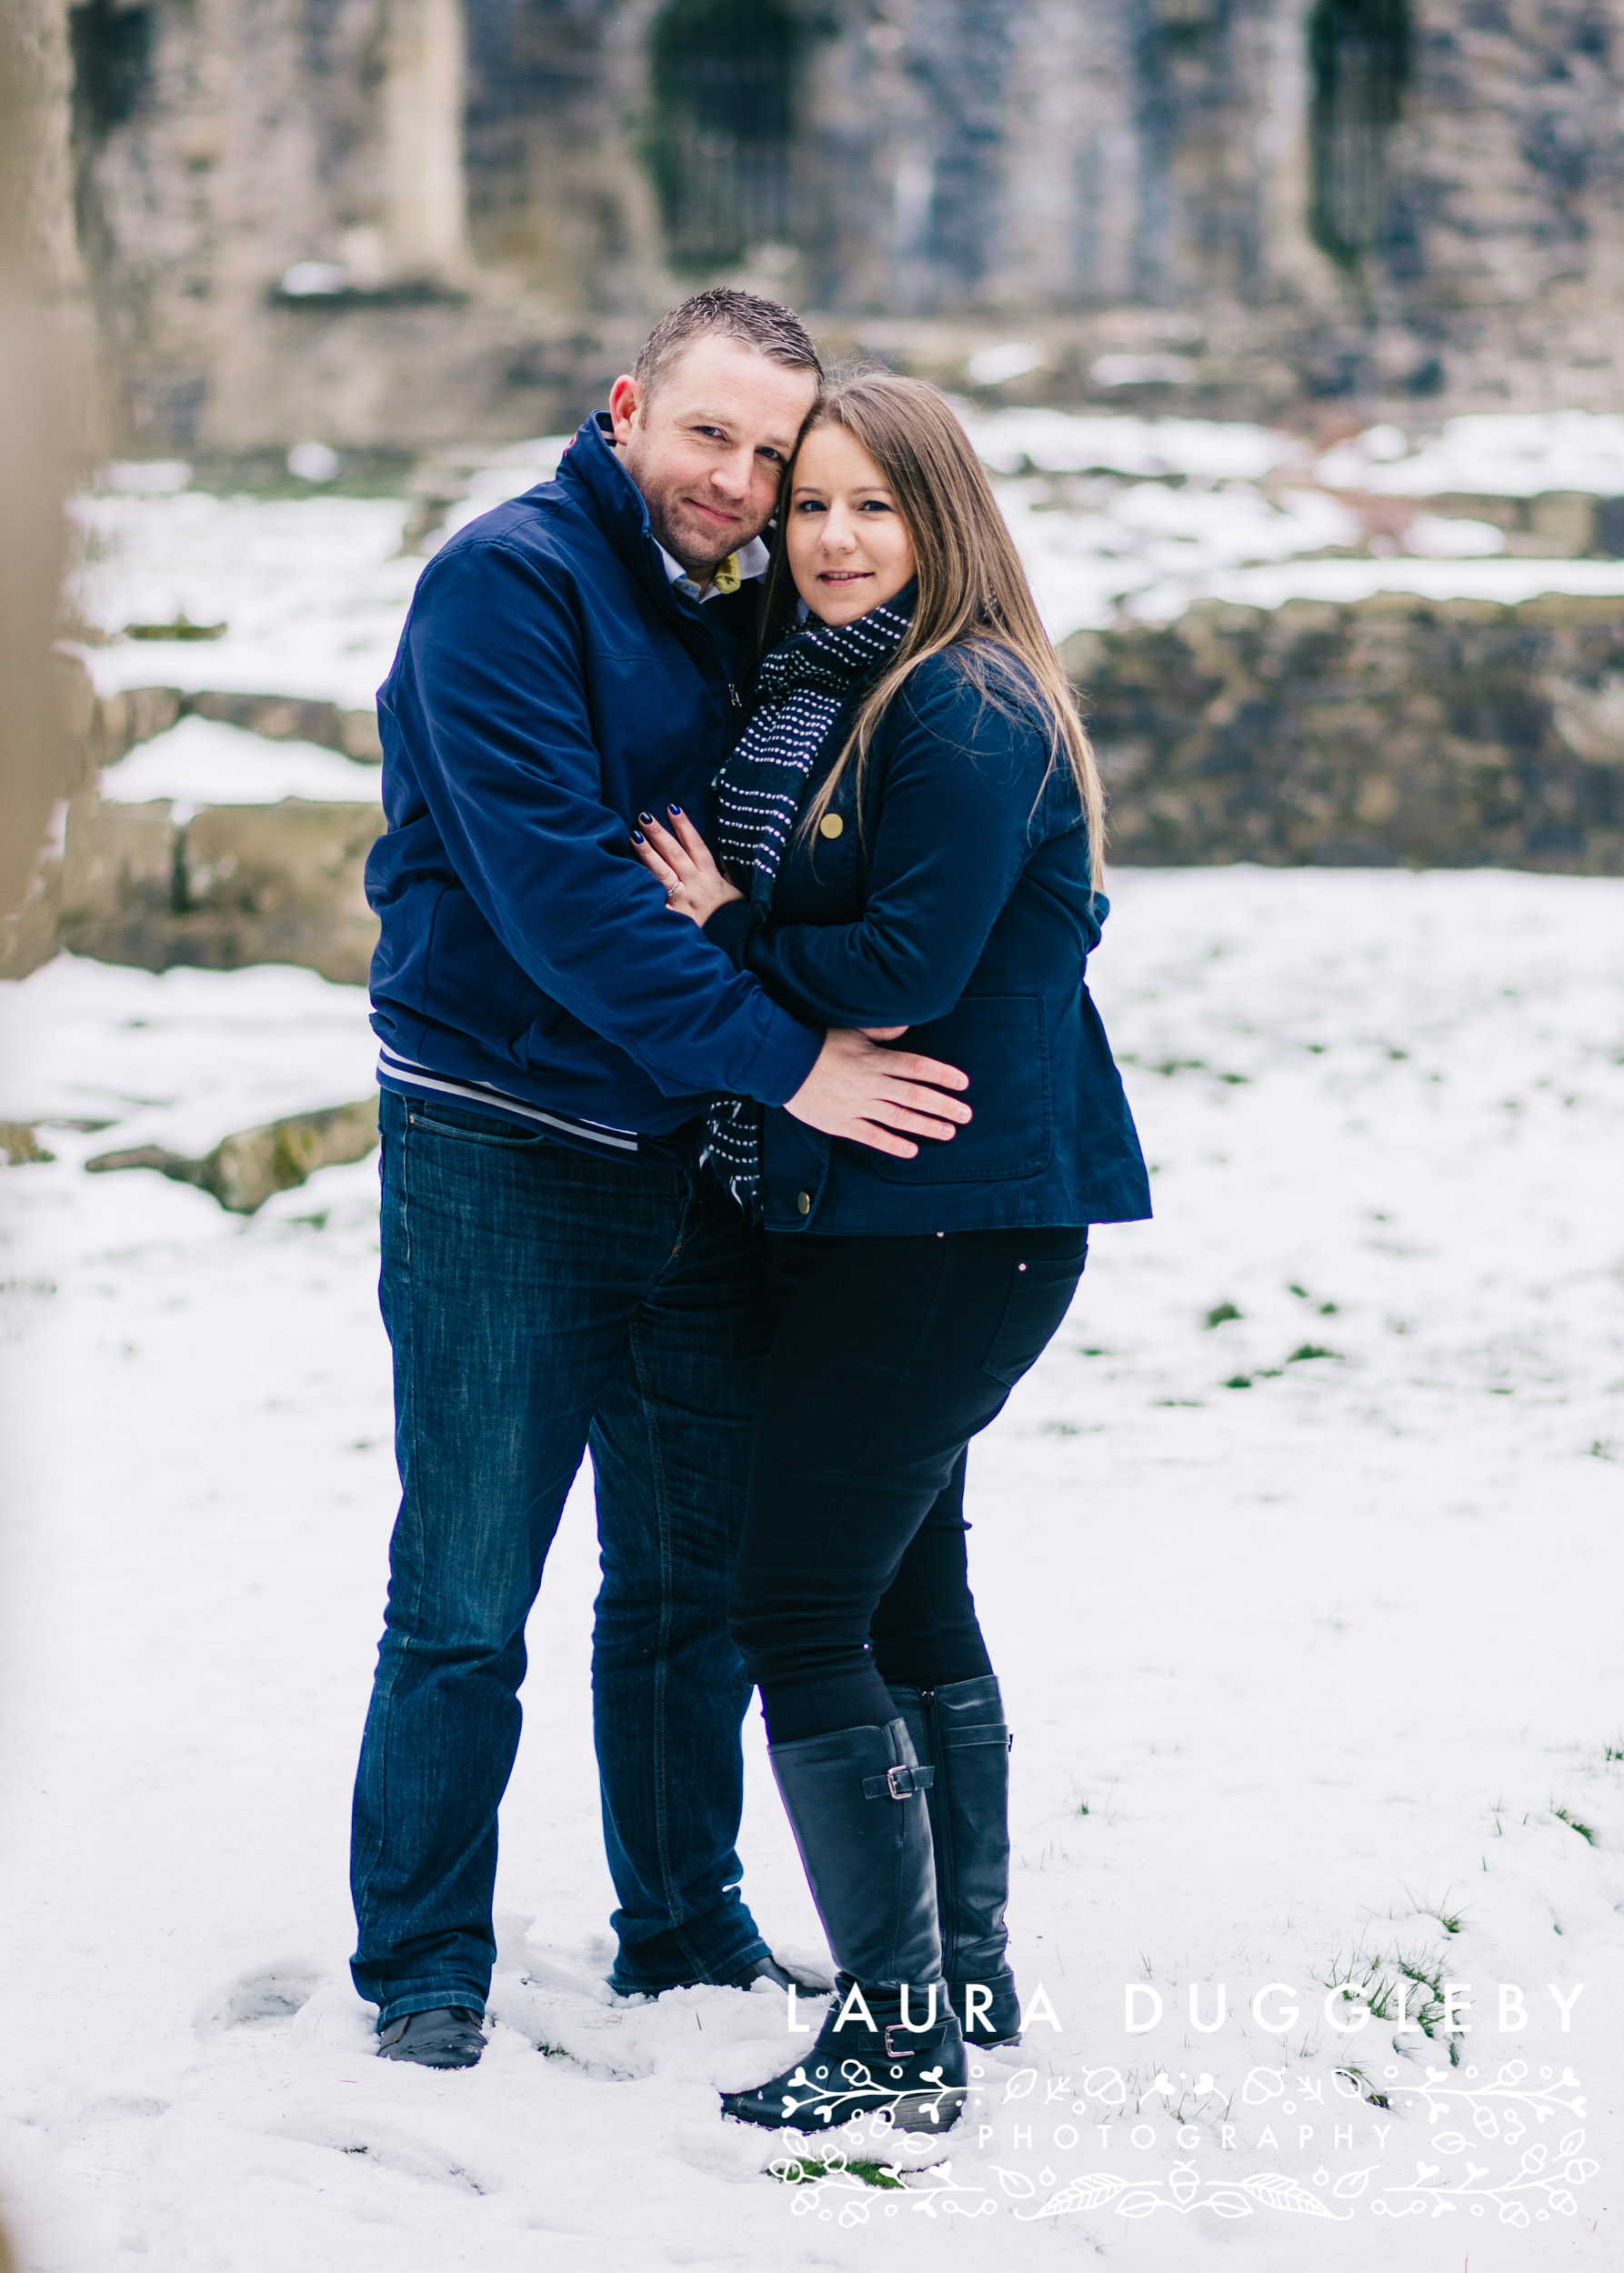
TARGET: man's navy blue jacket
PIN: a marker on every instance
(550, 685)
(962, 908)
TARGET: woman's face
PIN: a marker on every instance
(850, 548)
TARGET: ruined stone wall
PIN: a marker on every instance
(1157, 160)
(49, 430)
(1149, 189)
(269, 202)
(1389, 733)
(559, 201)
(1396, 732)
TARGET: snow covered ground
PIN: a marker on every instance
(1145, 517)
(1312, 1658)
(311, 591)
(1501, 453)
(204, 761)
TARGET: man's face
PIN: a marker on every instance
(708, 447)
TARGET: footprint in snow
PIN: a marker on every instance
(272, 1992)
(383, 2147)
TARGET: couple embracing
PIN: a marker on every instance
(744, 1114)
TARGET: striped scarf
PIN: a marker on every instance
(803, 684)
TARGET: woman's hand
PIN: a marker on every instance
(694, 885)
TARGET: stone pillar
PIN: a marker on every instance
(422, 140)
(39, 250)
(47, 423)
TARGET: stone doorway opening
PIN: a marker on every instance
(1358, 64)
(723, 78)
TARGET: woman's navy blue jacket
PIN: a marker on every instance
(962, 909)
(550, 685)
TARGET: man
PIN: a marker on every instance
(556, 1273)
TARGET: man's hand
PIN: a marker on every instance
(867, 1094)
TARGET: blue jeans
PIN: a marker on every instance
(539, 1300)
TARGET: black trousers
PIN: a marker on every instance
(888, 1357)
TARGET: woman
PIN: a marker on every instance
(911, 831)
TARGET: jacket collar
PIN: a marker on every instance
(612, 499)
(592, 467)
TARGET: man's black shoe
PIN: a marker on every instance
(758, 1970)
(448, 2036)
(781, 1976)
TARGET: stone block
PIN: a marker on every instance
(1399, 730)
(289, 718)
(29, 934)
(1564, 520)
(244, 1170)
(233, 886)
(20, 1144)
(117, 860)
(358, 736)
(136, 714)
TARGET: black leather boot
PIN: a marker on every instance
(891, 2045)
(959, 1731)
(894, 2052)
(448, 2036)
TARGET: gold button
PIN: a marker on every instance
(803, 1200)
(831, 826)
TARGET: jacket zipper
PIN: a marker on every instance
(946, 1903)
(700, 647)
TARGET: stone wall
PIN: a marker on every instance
(1392, 733)
(218, 147)
(231, 885)
(392, 221)
(47, 430)
(1397, 732)
(154, 885)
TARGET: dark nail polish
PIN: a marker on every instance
(647, 819)
(637, 836)
(675, 809)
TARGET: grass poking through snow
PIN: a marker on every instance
(806, 2170)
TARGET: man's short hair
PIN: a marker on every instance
(721, 313)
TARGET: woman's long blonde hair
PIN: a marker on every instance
(973, 591)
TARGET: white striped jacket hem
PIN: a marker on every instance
(394, 1072)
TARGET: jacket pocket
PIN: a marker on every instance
(1001, 1041)
(1039, 1297)
(474, 986)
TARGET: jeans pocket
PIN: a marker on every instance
(1040, 1294)
(473, 1129)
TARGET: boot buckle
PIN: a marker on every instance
(898, 1783)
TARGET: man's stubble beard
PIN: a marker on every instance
(676, 541)
(682, 545)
